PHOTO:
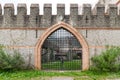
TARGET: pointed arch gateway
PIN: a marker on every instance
(80, 38)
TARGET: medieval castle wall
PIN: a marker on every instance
(23, 31)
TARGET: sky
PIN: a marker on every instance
(53, 2)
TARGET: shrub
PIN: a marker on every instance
(9, 61)
(107, 61)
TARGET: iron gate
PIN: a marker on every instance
(61, 51)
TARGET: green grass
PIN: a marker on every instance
(46, 75)
(67, 65)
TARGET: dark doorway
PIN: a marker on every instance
(61, 51)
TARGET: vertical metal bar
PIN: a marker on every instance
(86, 33)
(36, 33)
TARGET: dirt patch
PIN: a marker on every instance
(62, 78)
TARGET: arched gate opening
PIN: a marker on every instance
(61, 51)
(57, 54)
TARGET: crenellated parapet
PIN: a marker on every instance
(86, 19)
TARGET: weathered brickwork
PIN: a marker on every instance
(86, 19)
(25, 32)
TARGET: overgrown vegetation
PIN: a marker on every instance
(10, 61)
(47, 75)
(108, 60)
(105, 66)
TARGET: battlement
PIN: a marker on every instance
(86, 19)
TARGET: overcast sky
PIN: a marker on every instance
(53, 2)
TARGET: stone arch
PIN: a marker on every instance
(85, 49)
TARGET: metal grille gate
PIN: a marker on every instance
(61, 51)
